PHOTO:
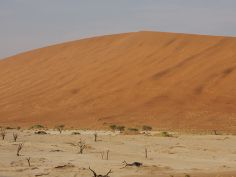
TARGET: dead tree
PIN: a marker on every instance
(215, 132)
(136, 164)
(96, 175)
(3, 133)
(95, 136)
(60, 128)
(15, 136)
(28, 160)
(102, 154)
(82, 146)
(108, 154)
(20, 146)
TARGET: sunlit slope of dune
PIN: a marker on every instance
(166, 80)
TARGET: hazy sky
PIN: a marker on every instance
(29, 24)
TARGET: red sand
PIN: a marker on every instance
(166, 80)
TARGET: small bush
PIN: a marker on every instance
(147, 128)
(75, 133)
(113, 127)
(117, 127)
(120, 128)
(60, 126)
(166, 134)
(9, 128)
(133, 129)
(37, 127)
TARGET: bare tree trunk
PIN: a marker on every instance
(28, 160)
(107, 154)
(215, 133)
(95, 137)
(102, 154)
(146, 153)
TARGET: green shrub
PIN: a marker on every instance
(37, 127)
(60, 126)
(113, 127)
(117, 127)
(166, 134)
(147, 128)
(9, 128)
(75, 133)
(120, 128)
(133, 129)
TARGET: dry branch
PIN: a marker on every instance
(136, 164)
(96, 175)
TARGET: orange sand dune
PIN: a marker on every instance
(166, 80)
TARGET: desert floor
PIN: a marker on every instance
(56, 155)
